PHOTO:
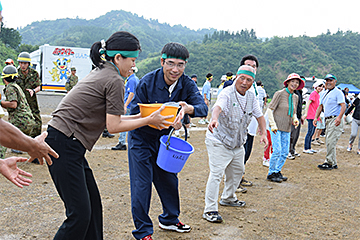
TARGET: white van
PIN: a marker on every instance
(53, 63)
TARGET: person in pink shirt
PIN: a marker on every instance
(310, 110)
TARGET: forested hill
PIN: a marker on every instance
(212, 51)
(83, 33)
(221, 52)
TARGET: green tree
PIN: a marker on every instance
(27, 48)
(10, 37)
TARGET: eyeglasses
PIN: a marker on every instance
(172, 65)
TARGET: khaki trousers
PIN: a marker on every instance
(223, 161)
(332, 136)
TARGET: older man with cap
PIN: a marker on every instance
(333, 104)
(225, 140)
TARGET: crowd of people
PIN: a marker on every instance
(113, 92)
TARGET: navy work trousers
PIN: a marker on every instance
(77, 188)
(143, 152)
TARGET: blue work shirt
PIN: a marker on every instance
(152, 88)
(130, 86)
(206, 90)
(331, 102)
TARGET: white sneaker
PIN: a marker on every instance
(315, 143)
(290, 156)
(207, 121)
(241, 189)
(177, 133)
(192, 125)
(320, 141)
(296, 154)
(202, 121)
(266, 162)
(314, 151)
(308, 151)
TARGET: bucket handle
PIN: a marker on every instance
(171, 131)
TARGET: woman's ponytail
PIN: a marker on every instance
(95, 54)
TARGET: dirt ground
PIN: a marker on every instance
(312, 204)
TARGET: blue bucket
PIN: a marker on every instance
(173, 153)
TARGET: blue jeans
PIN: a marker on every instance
(280, 143)
(310, 133)
(122, 137)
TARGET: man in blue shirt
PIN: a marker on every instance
(166, 84)
(130, 87)
(206, 93)
(333, 103)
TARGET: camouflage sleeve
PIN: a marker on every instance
(74, 82)
(67, 86)
(37, 80)
(11, 94)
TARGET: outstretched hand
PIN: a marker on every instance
(8, 167)
(42, 150)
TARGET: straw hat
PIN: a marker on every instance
(295, 76)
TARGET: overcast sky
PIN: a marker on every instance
(267, 17)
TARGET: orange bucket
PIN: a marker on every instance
(147, 109)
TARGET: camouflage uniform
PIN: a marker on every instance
(71, 82)
(21, 116)
(31, 81)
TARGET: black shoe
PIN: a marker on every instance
(107, 134)
(274, 178)
(327, 166)
(35, 161)
(279, 174)
(119, 146)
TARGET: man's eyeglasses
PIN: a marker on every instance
(172, 65)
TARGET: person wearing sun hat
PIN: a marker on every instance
(282, 114)
(333, 104)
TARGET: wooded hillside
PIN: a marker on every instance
(212, 51)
